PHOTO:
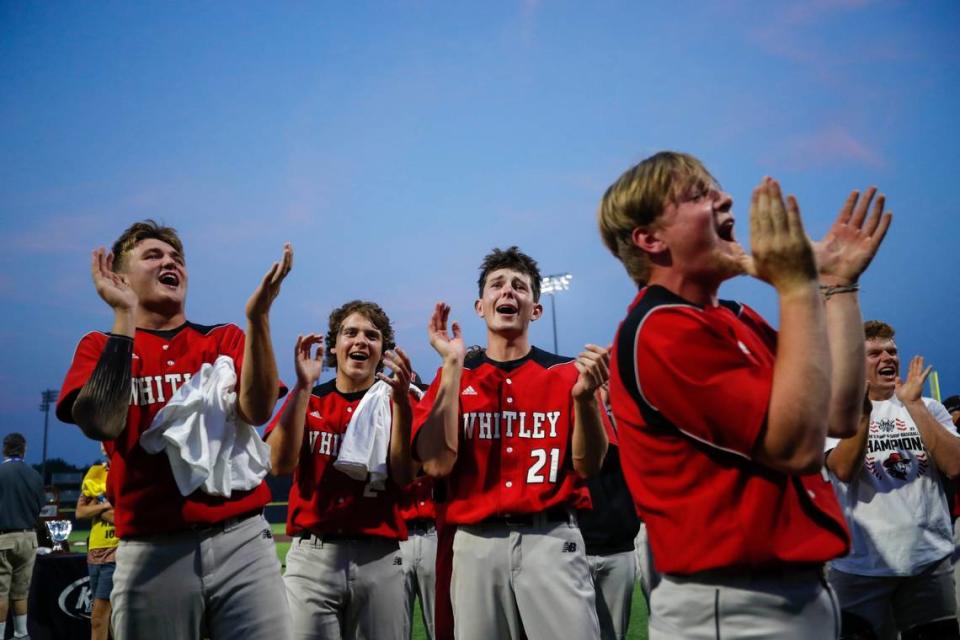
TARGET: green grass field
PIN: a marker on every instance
(638, 617)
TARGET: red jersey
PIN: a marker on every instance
(141, 485)
(324, 499)
(690, 387)
(417, 502)
(516, 420)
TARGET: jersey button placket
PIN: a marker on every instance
(508, 462)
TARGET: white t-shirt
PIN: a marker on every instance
(896, 507)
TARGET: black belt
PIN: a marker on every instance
(3, 531)
(421, 524)
(775, 572)
(223, 524)
(337, 537)
(553, 514)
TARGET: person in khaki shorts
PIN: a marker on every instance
(21, 497)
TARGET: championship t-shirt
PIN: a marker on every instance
(896, 506)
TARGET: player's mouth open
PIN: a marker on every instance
(888, 370)
(725, 230)
(170, 279)
(359, 356)
(507, 309)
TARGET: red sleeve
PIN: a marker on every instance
(85, 360)
(421, 411)
(700, 378)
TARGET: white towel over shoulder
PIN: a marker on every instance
(209, 448)
(367, 440)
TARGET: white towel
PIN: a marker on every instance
(367, 441)
(209, 448)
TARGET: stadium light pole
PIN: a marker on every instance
(48, 396)
(551, 285)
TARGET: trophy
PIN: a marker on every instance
(59, 532)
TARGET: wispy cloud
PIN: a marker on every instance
(831, 146)
(796, 33)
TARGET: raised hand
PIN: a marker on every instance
(307, 363)
(594, 367)
(259, 303)
(910, 389)
(782, 253)
(401, 373)
(848, 247)
(447, 345)
(111, 287)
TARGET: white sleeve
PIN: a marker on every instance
(830, 443)
(941, 415)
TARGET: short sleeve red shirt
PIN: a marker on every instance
(141, 485)
(690, 387)
(323, 499)
(516, 421)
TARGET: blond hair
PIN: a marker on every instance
(637, 200)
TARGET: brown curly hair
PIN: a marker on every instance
(877, 330)
(372, 312)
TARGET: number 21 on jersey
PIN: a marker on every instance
(535, 475)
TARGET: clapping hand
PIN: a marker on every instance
(112, 287)
(447, 345)
(259, 303)
(848, 247)
(308, 364)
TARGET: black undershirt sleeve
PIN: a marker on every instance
(101, 406)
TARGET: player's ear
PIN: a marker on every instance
(648, 240)
(478, 306)
(537, 312)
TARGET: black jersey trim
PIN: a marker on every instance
(330, 386)
(655, 297)
(168, 334)
(543, 358)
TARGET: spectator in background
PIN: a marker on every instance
(102, 546)
(21, 497)
(888, 481)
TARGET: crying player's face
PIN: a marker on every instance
(507, 304)
(359, 348)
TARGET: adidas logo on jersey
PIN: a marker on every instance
(469, 391)
(316, 414)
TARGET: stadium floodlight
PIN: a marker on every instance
(48, 397)
(551, 285)
(557, 282)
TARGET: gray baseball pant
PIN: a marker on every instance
(419, 552)
(346, 588)
(220, 582)
(511, 582)
(791, 605)
(614, 576)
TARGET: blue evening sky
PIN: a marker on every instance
(396, 143)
